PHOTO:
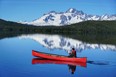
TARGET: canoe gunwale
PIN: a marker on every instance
(58, 57)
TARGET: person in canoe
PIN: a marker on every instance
(72, 53)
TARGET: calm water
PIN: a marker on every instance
(16, 57)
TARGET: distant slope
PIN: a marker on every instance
(88, 31)
(71, 16)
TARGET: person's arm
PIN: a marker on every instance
(69, 52)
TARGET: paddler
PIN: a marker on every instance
(72, 53)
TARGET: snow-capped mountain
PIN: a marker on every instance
(71, 16)
(59, 42)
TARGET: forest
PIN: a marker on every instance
(88, 31)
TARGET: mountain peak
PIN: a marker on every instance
(52, 12)
(71, 10)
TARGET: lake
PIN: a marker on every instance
(16, 57)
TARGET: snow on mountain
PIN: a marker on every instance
(71, 16)
(56, 41)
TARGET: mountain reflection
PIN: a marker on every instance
(60, 42)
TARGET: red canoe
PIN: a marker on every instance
(58, 57)
(48, 61)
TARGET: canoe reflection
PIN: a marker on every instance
(71, 65)
(48, 61)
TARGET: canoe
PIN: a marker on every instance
(58, 57)
(48, 61)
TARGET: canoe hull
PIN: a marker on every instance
(57, 57)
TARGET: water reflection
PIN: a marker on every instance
(56, 41)
(71, 65)
(16, 57)
(98, 62)
(48, 61)
(72, 68)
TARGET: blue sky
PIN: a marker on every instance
(16, 10)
